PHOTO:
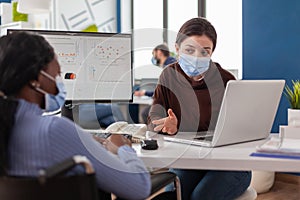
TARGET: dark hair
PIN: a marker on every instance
(197, 26)
(164, 49)
(22, 56)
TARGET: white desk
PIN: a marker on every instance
(143, 100)
(232, 157)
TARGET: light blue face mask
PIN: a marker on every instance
(155, 61)
(193, 66)
(54, 102)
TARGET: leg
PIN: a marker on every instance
(117, 113)
(133, 110)
(222, 185)
(145, 113)
(87, 117)
(189, 179)
(103, 110)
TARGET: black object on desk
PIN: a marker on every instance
(149, 144)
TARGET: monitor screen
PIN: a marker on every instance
(95, 67)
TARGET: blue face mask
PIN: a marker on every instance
(54, 102)
(155, 61)
(193, 66)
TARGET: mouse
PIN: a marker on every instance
(149, 144)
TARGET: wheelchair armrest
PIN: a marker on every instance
(64, 166)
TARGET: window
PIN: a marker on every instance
(226, 16)
(179, 12)
(147, 33)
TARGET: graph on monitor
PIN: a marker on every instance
(96, 67)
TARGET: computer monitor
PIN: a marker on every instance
(96, 67)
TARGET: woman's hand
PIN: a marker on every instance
(140, 93)
(113, 142)
(167, 124)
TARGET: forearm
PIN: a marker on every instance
(124, 174)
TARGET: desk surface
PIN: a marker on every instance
(231, 157)
(142, 100)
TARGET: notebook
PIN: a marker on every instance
(247, 113)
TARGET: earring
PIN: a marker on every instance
(35, 84)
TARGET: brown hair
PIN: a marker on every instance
(197, 26)
(163, 48)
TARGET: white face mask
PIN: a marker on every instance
(193, 66)
(54, 102)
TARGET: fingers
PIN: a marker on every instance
(119, 140)
(159, 121)
(159, 124)
(170, 131)
(100, 140)
(113, 142)
(139, 93)
(167, 124)
(171, 114)
(159, 127)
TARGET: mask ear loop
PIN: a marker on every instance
(47, 75)
(36, 86)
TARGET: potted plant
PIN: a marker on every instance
(293, 96)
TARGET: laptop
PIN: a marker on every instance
(247, 113)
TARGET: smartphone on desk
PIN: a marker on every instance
(105, 134)
(121, 127)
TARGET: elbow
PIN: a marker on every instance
(144, 188)
(138, 188)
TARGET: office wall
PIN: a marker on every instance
(82, 14)
(271, 44)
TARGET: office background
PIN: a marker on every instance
(258, 38)
(271, 40)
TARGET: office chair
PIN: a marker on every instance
(51, 185)
(159, 180)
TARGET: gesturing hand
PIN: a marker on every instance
(167, 124)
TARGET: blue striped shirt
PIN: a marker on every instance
(38, 142)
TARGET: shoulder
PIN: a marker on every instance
(170, 60)
(226, 75)
(168, 71)
(61, 125)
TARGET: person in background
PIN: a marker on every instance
(160, 57)
(30, 84)
(188, 98)
(102, 114)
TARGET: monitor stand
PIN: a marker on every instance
(72, 112)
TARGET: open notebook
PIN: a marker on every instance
(247, 113)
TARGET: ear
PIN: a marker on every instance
(177, 48)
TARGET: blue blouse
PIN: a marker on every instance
(39, 141)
